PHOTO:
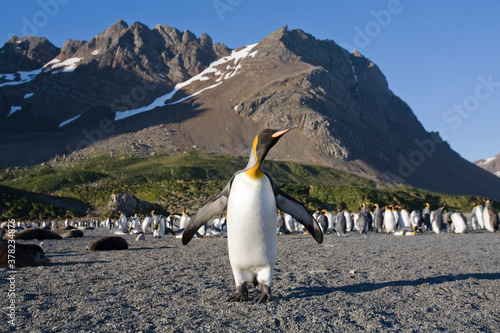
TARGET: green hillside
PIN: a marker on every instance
(186, 181)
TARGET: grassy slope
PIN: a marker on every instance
(187, 180)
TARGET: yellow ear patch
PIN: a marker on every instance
(255, 141)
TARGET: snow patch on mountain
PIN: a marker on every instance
(67, 65)
(55, 65)
(19, 77)
(235, 58)
(66, 122)
(486, 161)
(14, 109)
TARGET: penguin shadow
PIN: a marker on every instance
(70, 263)
(63, 254)
(150, 248)
(367, 287)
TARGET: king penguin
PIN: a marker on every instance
(490, 217)
(251, 198)
(437, 220)
(341, 224)
(362, 225)
(426, 216)
(389, 220)
(377, 218)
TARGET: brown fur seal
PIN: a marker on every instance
(26, 255)
(107, 244)
(68, 233)
(36, 233)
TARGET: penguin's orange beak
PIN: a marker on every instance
(280, 133)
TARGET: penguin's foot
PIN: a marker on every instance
(265, 294)
(241, 294)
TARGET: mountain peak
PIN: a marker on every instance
(26, 54)
(119, 25)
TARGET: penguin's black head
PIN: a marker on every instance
(261, 146)
(265, 141)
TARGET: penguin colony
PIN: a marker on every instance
(257, 211)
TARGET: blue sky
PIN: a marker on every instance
(440, 57)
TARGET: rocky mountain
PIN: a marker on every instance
(491, 164)
(82, 75)
(132, 89)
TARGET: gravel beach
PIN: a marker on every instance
(373, 283)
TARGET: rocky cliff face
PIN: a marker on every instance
(120, 68)
(26, 54)
(140, 90)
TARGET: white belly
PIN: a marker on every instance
(184, 221)
(348, 221)
(389, 221)
(289, 223)
(479, 215)
(251, 229)
(459, 224)
(487, 220)
(405, 217)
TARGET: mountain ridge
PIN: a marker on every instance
(204, 96)
(491, 164)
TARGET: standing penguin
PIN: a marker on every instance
(184, 219)
(426, 216)
(389, 220)
(280, 221)
(331, 222)
(474, 219)
(404, 218)
(458, 223)
(340, 224)
(362, 226)
(490, 217)
(377, 218)
(437, 220)
(416, 220)
(349, 222)
(479, 215)
(146, 223)
(289, 222)
(323, 221)
(397, 217)
(369, 221)
(134, 225)
(158, 226)
(251, 198)
(122, 224)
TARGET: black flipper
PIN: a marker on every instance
(212, 207)
(291, 206)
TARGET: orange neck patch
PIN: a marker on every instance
(254, 171)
